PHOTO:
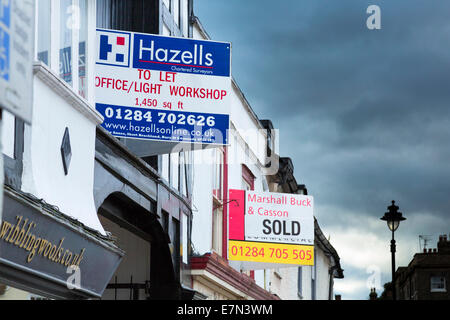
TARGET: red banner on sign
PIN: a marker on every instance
(236, 214)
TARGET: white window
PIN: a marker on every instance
(438, 284)
(65, 36)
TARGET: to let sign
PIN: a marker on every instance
(271, 227)
(161, 88)
(16, 57)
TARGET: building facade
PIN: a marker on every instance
(305, 282)
(427, 276)
(133, 208)
(250, 162)
(151, 216)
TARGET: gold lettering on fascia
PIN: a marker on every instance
(22, 237)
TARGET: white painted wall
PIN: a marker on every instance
(284, 281)
(306, 283)
(43, 173)
(323, 265)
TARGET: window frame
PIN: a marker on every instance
(168, 19)
(444, 289)
(217, 229)
(248, 177)
(55, 45)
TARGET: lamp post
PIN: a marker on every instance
(393, 218)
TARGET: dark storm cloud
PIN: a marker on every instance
(364, 115)
(385, 90)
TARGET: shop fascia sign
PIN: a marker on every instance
(271, 228)
(40, 244)
(160, 88)
(16, 57)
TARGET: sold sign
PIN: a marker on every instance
(271, 227)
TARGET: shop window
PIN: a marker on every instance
(128, 15)
(63, 40)
(175, 171)
(82, 41)
(43, 43)
(438, 284)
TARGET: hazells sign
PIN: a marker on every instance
(271, 227)
(160, 88)
(16, 57)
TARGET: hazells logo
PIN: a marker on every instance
(114, 48)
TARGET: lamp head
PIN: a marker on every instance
(393, 217)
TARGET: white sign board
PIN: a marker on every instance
(270, 228)
(153, 87)
(16, 57)
(279, 217)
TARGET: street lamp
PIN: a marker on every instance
(393, 218)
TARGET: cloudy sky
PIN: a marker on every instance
(364, 114)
